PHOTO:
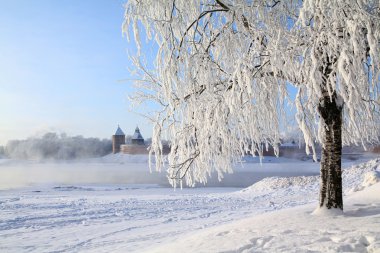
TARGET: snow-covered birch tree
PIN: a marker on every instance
(222, 72)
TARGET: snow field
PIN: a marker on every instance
(268, 216)
(296, 229)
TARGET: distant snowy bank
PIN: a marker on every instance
(355, 178)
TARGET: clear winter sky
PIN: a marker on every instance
(61, 62)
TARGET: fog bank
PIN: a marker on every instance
(112, 169)
(57, 146)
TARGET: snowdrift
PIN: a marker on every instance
(295, 229)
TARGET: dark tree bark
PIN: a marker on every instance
(331, 168)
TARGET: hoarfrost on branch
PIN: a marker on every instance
(223, 68)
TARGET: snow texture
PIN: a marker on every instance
(270, 216)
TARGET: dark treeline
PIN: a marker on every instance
(57, 146)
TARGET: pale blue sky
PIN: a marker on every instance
(60, 66)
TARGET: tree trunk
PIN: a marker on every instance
(331, 172)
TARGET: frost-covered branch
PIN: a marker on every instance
(224, 68)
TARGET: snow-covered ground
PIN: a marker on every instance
(91, 206)
(295, 230)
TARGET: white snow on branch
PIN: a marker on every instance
(222, 70)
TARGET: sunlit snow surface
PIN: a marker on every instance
(72, 215)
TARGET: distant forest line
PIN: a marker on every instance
(59, 146)
(56, 146)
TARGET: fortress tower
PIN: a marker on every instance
(137, 138)
(118, 139)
